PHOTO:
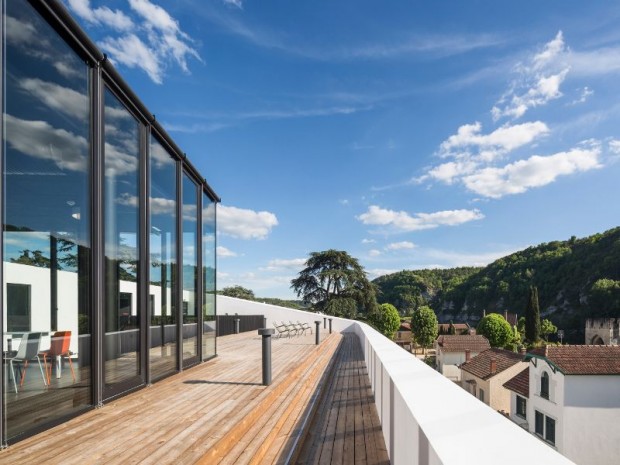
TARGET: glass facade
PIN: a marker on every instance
(46, 224)
(208, 277)
(190, 270)
(163, 270)
(121, 219)
(102, 224)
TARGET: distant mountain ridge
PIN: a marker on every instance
(576, 279)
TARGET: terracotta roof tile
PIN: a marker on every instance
(461, 343)
(583, 360)
(520, 383)
(480, 365)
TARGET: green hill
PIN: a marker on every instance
(576, 279)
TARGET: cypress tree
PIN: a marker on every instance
(532, 316)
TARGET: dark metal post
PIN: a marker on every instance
(324, 322)
(266, 333)
(316, 334)
(330, 326)
(237, 320)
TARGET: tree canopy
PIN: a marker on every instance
(335, 283)
(577, 278)
(239, 292)
(424, 327)
(386, 319)
(496, 329)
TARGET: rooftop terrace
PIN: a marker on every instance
(219, 412)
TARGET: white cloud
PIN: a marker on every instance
(237, 3)
(343, 202)
(223, 252)
(403, 221)
(130, 51)
(368, 241)
(245, 224)
(149, 42)
(487, 147)
(538, 81)
(374, 253)
(404, 245)
(293, 264)
(586, 92)
(102, 16)
(614, 146)
(536, 171)
(58, 98)
(39, 139)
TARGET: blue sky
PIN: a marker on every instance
(410, 134)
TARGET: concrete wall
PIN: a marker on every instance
(426, 419)
(592, 419)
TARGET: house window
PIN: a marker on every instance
(550, 430)
(544, 385)
(521, 407)
(481, 395)
(539, 424)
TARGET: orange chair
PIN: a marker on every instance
(59, 347)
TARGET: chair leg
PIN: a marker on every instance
(41, 368)
(13, 376)
(21, 383)
(71, 366)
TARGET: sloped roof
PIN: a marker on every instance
(581, 360)
(480, 365)
(461, 343)
(457, 326)
(520, 383)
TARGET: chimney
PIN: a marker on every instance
(523, 350)
(546, 350)
(467, 355)
(506, 315)
(493, 365)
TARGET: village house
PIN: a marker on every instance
(485, 374)
(453, 350)
(569, 397)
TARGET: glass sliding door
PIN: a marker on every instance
(122, 309)
(45, 226)
(190, 271)
(163, 263)
(208, 277)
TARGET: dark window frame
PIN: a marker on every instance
(544, 385)
(521, 407)
(539, 423)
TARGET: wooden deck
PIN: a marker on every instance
(346, 428)
(218, 412)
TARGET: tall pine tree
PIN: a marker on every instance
(532, 316)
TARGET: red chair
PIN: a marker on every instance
(59, 347)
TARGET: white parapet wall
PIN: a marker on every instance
(426, 419)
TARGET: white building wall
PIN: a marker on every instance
(592, 420)
(552, 407)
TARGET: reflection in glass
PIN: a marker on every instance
(121, 242)
(46, 222)
(163, 263)
(208, 276)
(190, 268)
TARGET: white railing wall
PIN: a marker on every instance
(426, 419)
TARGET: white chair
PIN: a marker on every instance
(28, 350)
